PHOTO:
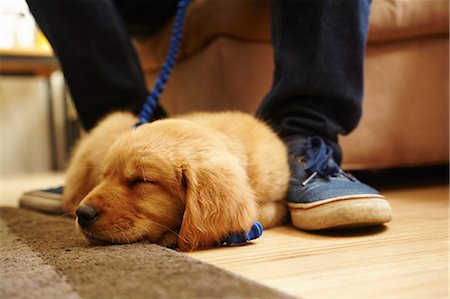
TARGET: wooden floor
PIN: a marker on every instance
(408, 258)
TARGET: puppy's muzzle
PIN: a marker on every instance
(86, 215)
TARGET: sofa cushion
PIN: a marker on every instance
(399, 19)
(250, 20)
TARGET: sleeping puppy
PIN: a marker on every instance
(187, 181)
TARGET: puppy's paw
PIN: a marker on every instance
(169, 239)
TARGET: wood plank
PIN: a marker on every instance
(34, 52)
(38, 62)
(407, 258)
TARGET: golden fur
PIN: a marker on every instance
(186, 181)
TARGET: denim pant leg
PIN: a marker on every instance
(100, 64)
(318, 82)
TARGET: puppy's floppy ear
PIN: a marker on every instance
(218, 201)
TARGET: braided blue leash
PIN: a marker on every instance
(149, 106)
(147, 110)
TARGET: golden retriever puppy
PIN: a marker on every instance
(187, 181)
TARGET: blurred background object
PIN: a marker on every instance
(18, 29)
(36, 114)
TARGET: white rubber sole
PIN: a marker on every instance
(341, 212)
(42, 201)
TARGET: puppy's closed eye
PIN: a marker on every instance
(137, 181)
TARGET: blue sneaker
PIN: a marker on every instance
(322, 196)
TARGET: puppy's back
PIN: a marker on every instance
(267, 165)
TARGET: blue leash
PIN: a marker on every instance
(147, 110)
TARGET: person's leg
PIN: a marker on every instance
(93, 45)
(316, 95)
(318, 82)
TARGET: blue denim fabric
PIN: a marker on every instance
(318, 81)
(316, 176)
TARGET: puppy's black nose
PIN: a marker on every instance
(86, 215)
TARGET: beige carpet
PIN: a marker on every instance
(43, 257)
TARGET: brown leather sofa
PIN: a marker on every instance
(226, 62)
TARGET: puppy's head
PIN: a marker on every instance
(170, 182)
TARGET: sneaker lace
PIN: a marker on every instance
(318, 158)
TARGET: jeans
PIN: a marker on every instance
(318, 48)
(318, 82)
